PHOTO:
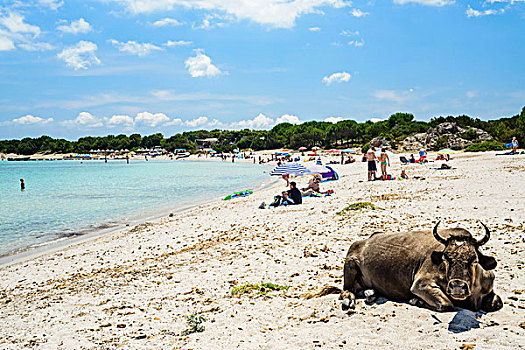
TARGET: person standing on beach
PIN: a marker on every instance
(371, 158)
(384, 162)
(22, 184)
(514, 145)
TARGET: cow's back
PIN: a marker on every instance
(388, 262)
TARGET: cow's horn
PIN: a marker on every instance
(437, 236)
(484, 239)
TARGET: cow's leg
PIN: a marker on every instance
(349, 284)
(429, 292)
(491, 302)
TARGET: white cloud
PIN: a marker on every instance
(167, 22)
(135, 48)
(170, 43)
(80, 56)
(349, 33)
(314, 29)
(14, 22)
(79, 26)
(376, 120)
(32, 46)
(199, 121)
(471, 94)
(121, 120)
(275, 13)
(356, 43)
(212, 21)
(358, 13)
(84, 120)
(259, 122)
(6, 44)
(438, 3)
(200, 66)
(333, 120)
(14, 31)
(475, 13)
(31, 120)
(150, 119)
(174, 121)
(52, 4)
(392, 95)
(215, 123)
(337, 78)
(286, 118)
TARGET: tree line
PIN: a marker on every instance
(346, 133)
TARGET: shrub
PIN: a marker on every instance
(262, 288)
(485, 146)
(359, 206)
(195, 324)
(365, 147)
(442, 142)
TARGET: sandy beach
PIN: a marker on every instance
(134, 288)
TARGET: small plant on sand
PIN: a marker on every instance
(195, 324)
(244, 289)
(359, 206)
(262, 288)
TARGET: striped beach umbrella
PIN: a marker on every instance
(289, 168)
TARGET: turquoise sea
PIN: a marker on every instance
(69, 198)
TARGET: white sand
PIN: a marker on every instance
(132, 289)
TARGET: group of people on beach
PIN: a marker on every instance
(294, 195)
(372, 168)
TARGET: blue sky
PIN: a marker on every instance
(70, 68)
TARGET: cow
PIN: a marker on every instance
(435, 270)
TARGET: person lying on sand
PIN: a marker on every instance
(313, 187)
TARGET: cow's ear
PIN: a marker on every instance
(487, 262)
(437, 257)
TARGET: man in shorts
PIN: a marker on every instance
(371, 158)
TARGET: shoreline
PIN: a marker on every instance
(54, 245)
(135, 288)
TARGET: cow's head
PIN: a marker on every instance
(460, 259)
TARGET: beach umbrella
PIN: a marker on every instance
(315, 148)
(315, 168)
(212, 151)
(235, 151)
(333, 151)
(319, 162)
(348, 150)
(289, 168)
(446, 151)
(302, 148)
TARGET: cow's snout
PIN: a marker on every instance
(458, 289)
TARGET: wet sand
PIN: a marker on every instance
(134, 288)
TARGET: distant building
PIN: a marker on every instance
(206, 143)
